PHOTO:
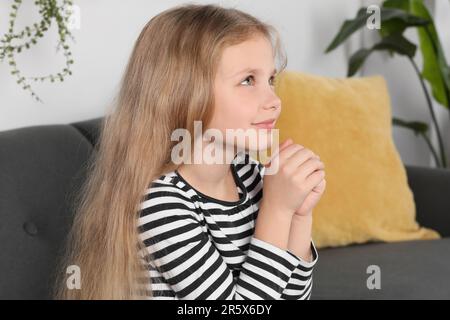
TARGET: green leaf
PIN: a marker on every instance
(348, 28)
(357, 60)
(386, 14)
(410, 20)
(419, 129)
(393, 26)
(398, 44)
(393, 43)
(435, 68)
(416, 126)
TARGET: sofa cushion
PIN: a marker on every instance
(347, 122)
(90, 129)
(408, 269)
(42, 169)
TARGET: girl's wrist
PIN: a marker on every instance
(303, 215)
(300, 237)
(302, 219)
(276, 210)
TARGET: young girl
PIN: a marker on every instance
(149, 228)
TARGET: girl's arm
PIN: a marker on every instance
(294, 236)
(273, 227)
(300, 237)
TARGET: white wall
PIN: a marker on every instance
(110, 27)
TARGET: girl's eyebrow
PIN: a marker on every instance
(252, 70)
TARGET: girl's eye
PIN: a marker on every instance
(271, 80)
(248, 78)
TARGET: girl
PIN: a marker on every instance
(149, 228)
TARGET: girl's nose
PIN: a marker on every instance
(273, 102)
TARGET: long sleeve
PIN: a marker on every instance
(182, 251)
(291, 275)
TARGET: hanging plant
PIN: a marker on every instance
(14, 43)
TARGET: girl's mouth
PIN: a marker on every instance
(268, 124)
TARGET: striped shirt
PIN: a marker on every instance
(198, 247)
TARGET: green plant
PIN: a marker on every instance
(396, 16)
(14, 43)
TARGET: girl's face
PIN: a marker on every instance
(245, 92)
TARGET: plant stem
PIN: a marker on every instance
(433, 116)
(435, 156)
(437, 50)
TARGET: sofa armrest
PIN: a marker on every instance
(430, 187)
(90, 129)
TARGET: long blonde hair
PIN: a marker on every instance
(168, 83)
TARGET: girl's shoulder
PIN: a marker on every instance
(166, 193)
(167, 184)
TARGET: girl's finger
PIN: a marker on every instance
(282, 146)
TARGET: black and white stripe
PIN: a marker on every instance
(203, 248)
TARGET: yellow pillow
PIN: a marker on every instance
(347, 122)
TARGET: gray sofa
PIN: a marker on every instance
(42, 167)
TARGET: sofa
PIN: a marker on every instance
(43, 167)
